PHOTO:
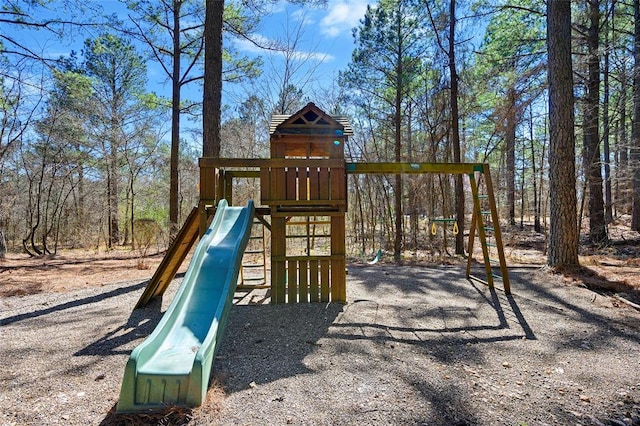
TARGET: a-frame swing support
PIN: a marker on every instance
(477, 222)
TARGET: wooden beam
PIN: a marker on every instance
(392, 168)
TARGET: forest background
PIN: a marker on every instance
(90, 157)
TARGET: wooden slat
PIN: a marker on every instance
(321, 202)
(303, 184)
(324, 280)
(265, 185)
(247, 163)
(292, 281)
(337, 178)
(326, 210)
(303, 286)
(279, 191)
(208, 183)
(278, 281)
(278, 267)
(292, 178)
(314, 183)
(338, 281)
(314, 292)
(303, 257)
(392, 168)
(228, 187)
(324, 184)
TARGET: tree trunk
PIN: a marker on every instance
(622, 193)
(455, 127)
(399, 228)
(608, 200)
(212, 98)
(563, 235)
(397, 146)
(3, 242)
(175, 124)
(114, 221)
(635, 131)
(591, 137)
(510, 146)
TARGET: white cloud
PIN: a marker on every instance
(250, 47)
(342, 16)
(300, 55)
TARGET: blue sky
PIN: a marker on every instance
(324, 38)
(324, 45)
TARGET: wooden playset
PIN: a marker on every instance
(303, 186)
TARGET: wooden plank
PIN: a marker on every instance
(292, 180)
(319, 211)
(338, 183)
(324, 185)
(321, 202)
(303, 184)
(496, 230)
(303, 286)
(228, 187)
(309, 258)
(314, 292)
(314, 183)
(324, 280)
(392, 168)
(265, 185)
(292, 281)
(219, 185)
(246, 163)
(338, 281)
(278, 267)
(208, 183)
(278, 182)
(278, 282)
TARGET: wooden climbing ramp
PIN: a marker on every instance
(172, 260)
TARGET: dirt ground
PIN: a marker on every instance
(415, 344)
(615, 268)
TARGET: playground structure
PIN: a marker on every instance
(302, 186)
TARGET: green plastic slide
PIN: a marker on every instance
(173, 365)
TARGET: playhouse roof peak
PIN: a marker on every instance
(309, 120)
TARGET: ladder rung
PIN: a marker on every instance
(492, 245)
(253, 251)
(256, 237)
(483, 196)
(485, 212)
(490, 229)
(253, 265)
(253, 279)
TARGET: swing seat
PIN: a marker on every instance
(377, 258)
